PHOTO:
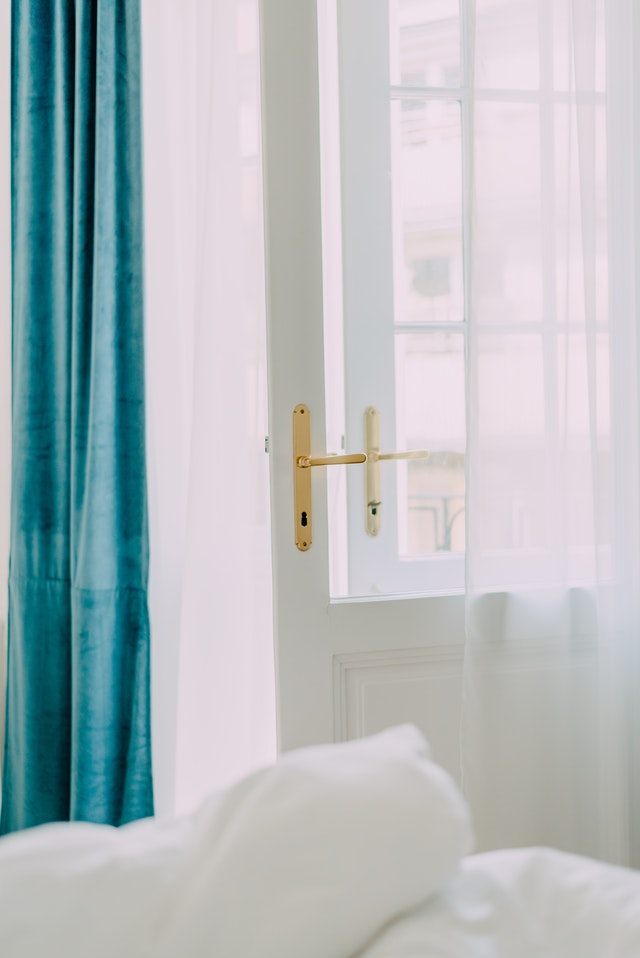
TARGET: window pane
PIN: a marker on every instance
(430, 412)
(507, 44)
(510, 404)
(588, 519)
(425, 42)
(535, 432)
(426, 173)
(572, 215)
(530, 212)
(508, 275)
(529, 44)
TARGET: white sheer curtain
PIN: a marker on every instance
(210, 579)
(551, 670)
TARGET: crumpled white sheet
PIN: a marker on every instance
(308, 859)
(522, 903)
(334, 851)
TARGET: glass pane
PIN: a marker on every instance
(529, 44)
(578, 358)
(425, 42)
(430, 413)
(509, 409)
(426, 184)
(508, 274)
(529, 212)
(507, 43)
(533, 428)
(574, 272)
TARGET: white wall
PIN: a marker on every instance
(5, 324)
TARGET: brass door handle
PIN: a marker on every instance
(303, 462)
(372, 470)
(411, 454)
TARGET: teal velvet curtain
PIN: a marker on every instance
(78, 725)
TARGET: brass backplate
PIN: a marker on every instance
(372, 471)
(302, 477)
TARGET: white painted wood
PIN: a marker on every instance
(291, 161)
(324, 648)
(423, 686)
(365, 139)
(368, 228)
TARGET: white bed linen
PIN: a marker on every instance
(522, 903)
(307, 859)
(334, 851)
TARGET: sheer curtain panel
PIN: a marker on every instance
(551, 673)
(210, 576)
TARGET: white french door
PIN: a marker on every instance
(366, 311)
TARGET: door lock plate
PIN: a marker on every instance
(303, 462)
(302, 477)
(373, 501)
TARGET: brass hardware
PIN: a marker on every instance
(303, 461)
(372, 469)
(412, 454)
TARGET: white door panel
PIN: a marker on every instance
(423, 686)
(348, 666)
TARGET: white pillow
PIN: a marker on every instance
(307, 859)
(312, 857)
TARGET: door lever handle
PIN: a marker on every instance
(373, 456)
(372, 470)
(303, 462)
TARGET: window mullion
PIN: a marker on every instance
(548, 192)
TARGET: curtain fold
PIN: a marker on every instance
(5, 338)
(77, 736)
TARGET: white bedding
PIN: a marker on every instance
(333, 852)
(522, 903)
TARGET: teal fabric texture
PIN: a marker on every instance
(78, 743)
